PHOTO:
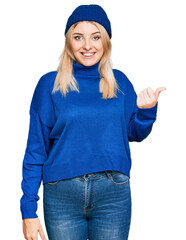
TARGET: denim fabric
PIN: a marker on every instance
(94, 207)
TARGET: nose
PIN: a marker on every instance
(87, 45)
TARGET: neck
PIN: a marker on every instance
(84, 71)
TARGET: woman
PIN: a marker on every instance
(78, 141)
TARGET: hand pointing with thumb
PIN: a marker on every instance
(148, 98)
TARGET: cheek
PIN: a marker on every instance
(101, 50)
(75, 46)
(99, 47)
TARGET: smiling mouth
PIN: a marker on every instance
(88, 55)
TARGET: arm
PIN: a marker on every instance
(144, 114)
(141, 122)
(42, 118)
(35, 155)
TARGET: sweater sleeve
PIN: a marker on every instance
(141, 122)
(41, 118)
(35, 155)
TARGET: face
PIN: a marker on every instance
(87, 45)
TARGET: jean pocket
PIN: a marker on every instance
(118, 178)
(52, 183)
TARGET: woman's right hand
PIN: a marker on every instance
(31, 227)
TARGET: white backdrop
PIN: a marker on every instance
(149, 47)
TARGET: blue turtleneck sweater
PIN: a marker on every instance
(80, 133)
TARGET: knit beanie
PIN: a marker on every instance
(91, 12)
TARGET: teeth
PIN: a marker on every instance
(88, 54)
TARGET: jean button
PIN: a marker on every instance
(90, 174)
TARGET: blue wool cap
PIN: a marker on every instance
(91, 12)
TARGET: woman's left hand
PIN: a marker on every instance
(147, 98)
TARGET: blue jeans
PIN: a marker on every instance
(95, 206)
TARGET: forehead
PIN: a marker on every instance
(85, 27)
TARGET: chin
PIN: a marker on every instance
(88, 62)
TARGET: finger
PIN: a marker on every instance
(41, 233)
(158, 90)
(145, 98)
(146, 95)
(151, 93)
(29, 238)
(140, 101)
(36, 237)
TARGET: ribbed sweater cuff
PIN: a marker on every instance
(147, 113)
(29, 210)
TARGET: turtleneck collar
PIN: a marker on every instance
(86, 71)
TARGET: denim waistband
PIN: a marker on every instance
(95, 174)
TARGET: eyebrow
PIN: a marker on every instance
(82, 33)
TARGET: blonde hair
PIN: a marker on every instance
(65, 78)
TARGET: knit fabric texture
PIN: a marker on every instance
(81, 133)
(91, 12)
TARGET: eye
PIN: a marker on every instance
(96, 37)
(77, 37)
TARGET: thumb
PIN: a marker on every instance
(158, 90)
(41, 233)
